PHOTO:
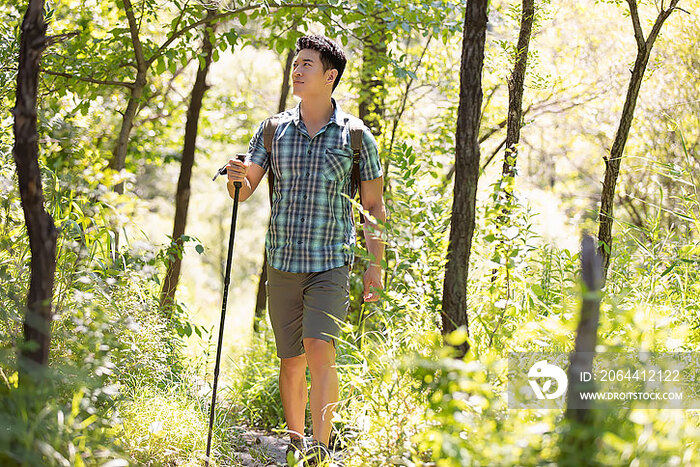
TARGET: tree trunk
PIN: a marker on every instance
(587, 332)
(515, 89)
(118, 161)
(284, 93)
(261, 299)
(454, 302)
(372, 91)
(182, 196)
(579, 441)
(516, 83)
(612, 163)
(40, 225)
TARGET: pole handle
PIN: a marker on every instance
(222, 171)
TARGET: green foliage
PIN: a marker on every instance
(107, 334)
(417, 227)
(67, 417)
(254, 396)
(164, 424)
(9, 50)
(508, 233)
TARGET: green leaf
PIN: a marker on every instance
(537, 290)
(669, 269)
(199, 249)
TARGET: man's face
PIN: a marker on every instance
(308, 77)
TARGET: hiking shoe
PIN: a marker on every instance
(295, 451)
(317, 454)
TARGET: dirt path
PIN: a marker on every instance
(262, 449)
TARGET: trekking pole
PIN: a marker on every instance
(227, 278)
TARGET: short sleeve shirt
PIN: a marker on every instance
(311, 226)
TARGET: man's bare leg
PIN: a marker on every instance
(293, 392)
(320, 356)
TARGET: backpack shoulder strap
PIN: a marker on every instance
(356, 132)
(269, 129)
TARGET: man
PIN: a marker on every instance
(312, 233)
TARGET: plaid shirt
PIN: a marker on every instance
(311, 226)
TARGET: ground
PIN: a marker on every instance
(260, 448)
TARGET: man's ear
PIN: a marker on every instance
(332, 74)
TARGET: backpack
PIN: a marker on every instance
(270, 128)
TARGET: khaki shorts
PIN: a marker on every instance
(303, 305)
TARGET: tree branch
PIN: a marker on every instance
(638, 33)
(51, 40)
(404, 99)
(179, 18)
(89, 80)
(487, 101)
(663, 16)
(218, 17)
(493, 154)
(141, 63)
(490, 132)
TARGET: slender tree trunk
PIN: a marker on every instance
(40, 225)
(454, 302)
(286, 73)
(261, 299)
(587, 332)
(515, 89)
(372, 90)
(580, 438)
(118, 161)
(516, 84)
(612, 163)
(182, 196)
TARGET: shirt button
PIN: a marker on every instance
(307, 174)
(299, 242)
(305, 197)
(308, 152)
(302, 219)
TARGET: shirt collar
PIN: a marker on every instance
(337, 117)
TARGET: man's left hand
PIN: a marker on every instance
(373, 282)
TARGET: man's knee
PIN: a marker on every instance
(319, 353)
(294, 364)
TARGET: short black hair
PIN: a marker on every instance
(332, 55)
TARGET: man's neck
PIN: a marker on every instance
(316, 112)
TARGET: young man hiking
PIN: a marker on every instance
(309, 244)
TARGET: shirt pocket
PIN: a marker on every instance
(337, 164)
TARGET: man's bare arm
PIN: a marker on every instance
(373, 202)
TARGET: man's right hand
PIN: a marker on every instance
(237, 170)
